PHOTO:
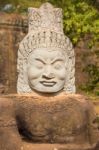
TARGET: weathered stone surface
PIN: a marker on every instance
(57, 147)
(46, 33)
(2, 88)
(62, 120)
(12, 30)
(85, 57)
(49, 116)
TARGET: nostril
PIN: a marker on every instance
(48, 76)
(51, 75)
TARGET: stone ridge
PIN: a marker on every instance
(13, 20)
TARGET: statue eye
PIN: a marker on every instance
(39, 64)
(58, 65)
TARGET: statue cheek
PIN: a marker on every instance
(34, 73)
(61, 74)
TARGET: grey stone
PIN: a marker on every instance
(46, 35)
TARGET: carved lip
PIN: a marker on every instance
(48, 83)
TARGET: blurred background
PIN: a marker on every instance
(81, 25)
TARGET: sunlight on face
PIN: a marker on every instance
(46, 70)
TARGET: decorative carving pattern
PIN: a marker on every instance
(44, 17)
(45, 33)
(4, 123)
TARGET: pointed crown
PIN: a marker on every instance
(45, 17)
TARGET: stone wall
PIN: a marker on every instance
(85, 56)
(13, 28)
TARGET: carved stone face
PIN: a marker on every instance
(46, 70)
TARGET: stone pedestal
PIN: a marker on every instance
(56, 122)
(29, 146)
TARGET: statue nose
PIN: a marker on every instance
(48, 73)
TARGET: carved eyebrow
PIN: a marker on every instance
(40, 60)
(55, 60)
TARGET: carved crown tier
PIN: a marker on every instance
(45, 17)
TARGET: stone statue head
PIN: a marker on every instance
(46, 61)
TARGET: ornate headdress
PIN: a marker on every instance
(45, 31)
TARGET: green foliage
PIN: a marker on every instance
(80, 19)
(23, 5)
(4, 2)
(93, 83)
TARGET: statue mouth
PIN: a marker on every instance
(48, 83)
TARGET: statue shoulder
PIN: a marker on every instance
(81, 99)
